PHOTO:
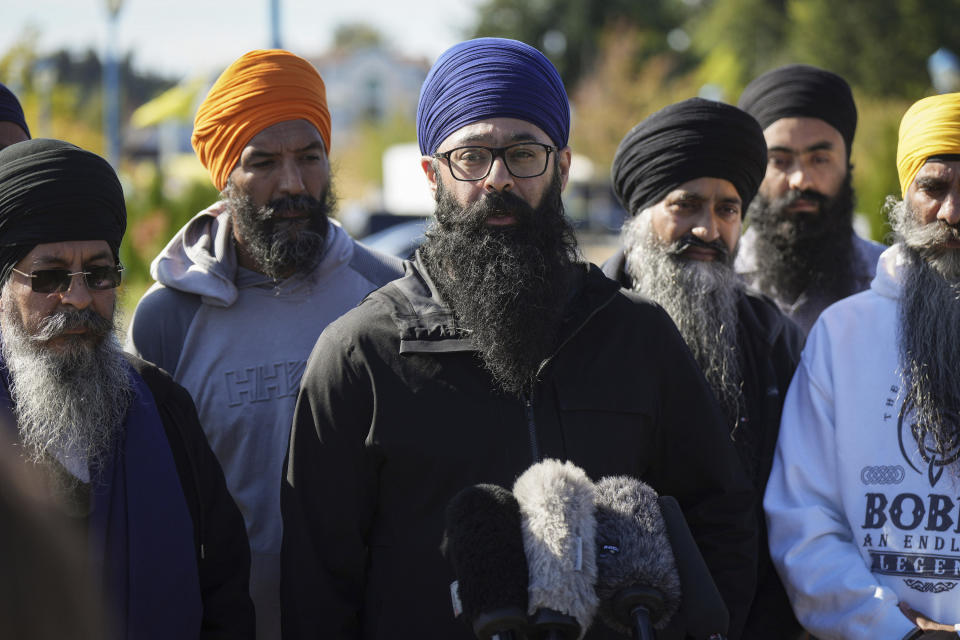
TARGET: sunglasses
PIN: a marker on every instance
(58, 280)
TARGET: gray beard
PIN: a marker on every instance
(70, 405)
(929, 332)
(701, 298)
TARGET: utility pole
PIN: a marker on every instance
(111, 86)
(275, 41)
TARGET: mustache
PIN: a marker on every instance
(498, 203)
(60, 322)
(793, 195)
(934, 236)
(690, 240)
(304, 204)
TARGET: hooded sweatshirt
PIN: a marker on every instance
(858, 521)
(238, 341)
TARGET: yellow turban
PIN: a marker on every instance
(930, 127)
(260, 89)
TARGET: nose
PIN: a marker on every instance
(77, 294)
(798, 177)
(291, 178)
(499, 178)
(949, 211)
(705, 226)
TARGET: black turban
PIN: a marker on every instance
(692, 139)
(53, 191)
(802, 91)
(10, 109)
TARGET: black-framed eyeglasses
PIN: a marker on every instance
(523, 160)
(58, 280)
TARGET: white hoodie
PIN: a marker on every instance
(858, 521)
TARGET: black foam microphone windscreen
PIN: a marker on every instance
(558, 523)
(482, 541)
(635, 562)
(702, 611)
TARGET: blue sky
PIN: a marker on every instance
(179, 38)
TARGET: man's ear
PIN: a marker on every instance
(563, 164)
(427, 163)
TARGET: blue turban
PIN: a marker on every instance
(10, 109)
(491, 78)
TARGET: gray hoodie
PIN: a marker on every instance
(239, 341)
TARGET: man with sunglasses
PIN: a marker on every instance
(118, 441)
(497, 349)
(245, 288)
(686, 174)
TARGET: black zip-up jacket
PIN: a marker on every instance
(396, 414)
(770, 346)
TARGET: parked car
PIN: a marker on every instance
(401, 239)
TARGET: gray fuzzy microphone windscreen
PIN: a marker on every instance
(633, 550)
(556, 505)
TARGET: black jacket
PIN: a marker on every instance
(396, 415)
(220, 538)
(770, 346)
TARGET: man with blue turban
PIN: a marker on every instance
(497, 349)
(13, 125)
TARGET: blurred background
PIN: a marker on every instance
(123, 78)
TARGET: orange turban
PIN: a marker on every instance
(260, 89)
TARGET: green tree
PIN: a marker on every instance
(880, 46)
(736, 40)
(569, 31)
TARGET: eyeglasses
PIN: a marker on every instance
(523, 160)
(58, 280)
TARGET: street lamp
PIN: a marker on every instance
(111, 86)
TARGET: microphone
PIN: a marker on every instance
(702, 610)
(637, 582)
(482, 541)
(556, 507)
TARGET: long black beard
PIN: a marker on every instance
(929, 332)
(701, 298)
(507, 285)
(804, 251)
(279, 246)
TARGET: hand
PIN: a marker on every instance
(922, 622)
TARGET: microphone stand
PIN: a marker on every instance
(640, 606)
(502, 624)
(548, 624)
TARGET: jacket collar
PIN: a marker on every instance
(427, 325)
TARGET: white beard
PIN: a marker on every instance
(70, 405)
